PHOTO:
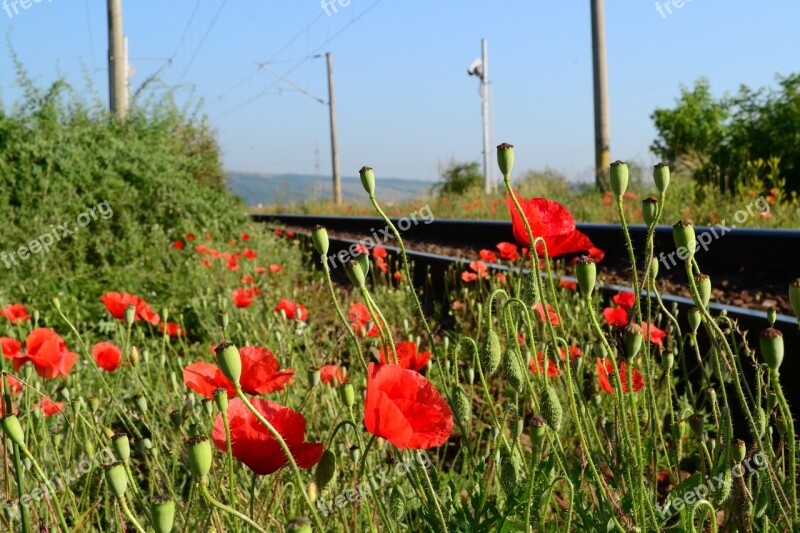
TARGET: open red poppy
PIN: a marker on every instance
(260, 374)
(118, 302)
(551, 315)
(551, 221)
(361, 318)
(254, 445)
(605, 370)
(49, 407)
(653, 334)
(11, 347)
(331, 375)
(615, 316)
(292, 310)
(15, 313)
(508, 251)
(107, 356)
(625, 300)
(408, 356)
(172, 329)
(48, 352)
(405, 408)
(244, 297)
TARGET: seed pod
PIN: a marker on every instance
(355, 273)
(505, 158)
(684, 237)
(739, 451)
(512, 367)
(633, 339)
(537, 430)
(619, 177)
(704, 288)
(326, 470)
(363, 262)
(661, 176)
(462, 407)
(162, 513)
(772, 316)
(13, 429)
(367, 179)
(794, 297)
(771, 342)
(319, 238)
(347, 394)
(697, 424)
(130, 315)
(299, 525)
(229, 361)
(491, 353)
(122, 446)
(116, 479)
(551, 408)
(668, 361)
(780, 425)
(649, 210)
(397, 503)
(586, 272)
(695, 318)
(679, 429)
(200, 456)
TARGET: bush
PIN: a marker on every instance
(459, 178)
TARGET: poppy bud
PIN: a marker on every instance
(661, 177)
(633, 340)
(221, 399)
(654, 269)
(551, 408)
(470, 375)
(772, 401)
(771, 342)
(116, 479)
(200, 456)
(739, 450)
(299, 525)
(505, 158)
(703, 287)
(130, 315)
(697, 425)
(462, 407)
(509, 473)
(668, 361)
(363, 261)
(144, 445)
(537, 430)
(347, 394)
(355, 273)
(319, 238)
(685, 241)
(367, 179)
(586, 273)
(162, 514)
(794, 297)
(695, 318)
(122, 446)
(619, 177)
(94, 403)
(222, 319)
(229, 361)
(311, 490)
(679, 429)
(397, 503)
(772, 316)
(134, 356)
(780, 425)
(712, 394)
(723, 489)
(649, 210)
(313, 377)
(141, 403)
(491, 353)
(13, 429)
(326, 470)
(512, 368)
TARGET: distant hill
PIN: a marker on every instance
(284, 189)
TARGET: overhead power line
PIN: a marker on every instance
(203, 40)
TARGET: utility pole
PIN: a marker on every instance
(488, 182)
(602, 130)
(337, 180)
(117, 61)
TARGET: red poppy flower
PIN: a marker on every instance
(625, 300)
(551, 314)
(118, 302)
(49, 407)
(361, 249)
(107, 356)
(15, 313)
(569, 285)
(604, 370)
(172, 329)
(290, 234)
(629, 195)
(246, 279)
(245, 237)
(480, 268)
(408, 356)
(260, 374)
(178, 245)
(206, 262)
(398, 276)
(405, 408)
(190, 236)
(244, 297)
(488, 256)
(11, 347)
(48, 352)
(550, 220)
(254, 445)
(292, 310)
(607, 198)
(468, 277)
(500, 277)
(653, 334)
(259, 270)
(250, 254)
(537, 366)
(277, 232)
(596, 253)
(331, 375)
(381, 265)
(361, 318)
(275, 269)
(208, 236)
(508, 251)
(14, 385)
(232, 265)
(202, 249)
(615, 316)
(379, 252)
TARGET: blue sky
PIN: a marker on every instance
(404, 100)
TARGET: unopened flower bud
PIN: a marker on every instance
(367, 179)
(116, 479)
(229, 361)
(512, 368)
(462, 407)
(661, 176)
(667, 361)
(130, 315)
(313, 377)
(491, 353)
(685, 240)
(13, 429)
(771, 342)
(325, 470)
(505, 158)
(134, 356)
(551, 408)
(355, 273)
(697, 424)
(222, 318)
(347, 394)
(586, 273)
(319, 238)
(619, 177)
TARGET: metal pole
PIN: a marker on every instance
(117, 75)
(488, 185)
(602, 130)
(337, 182)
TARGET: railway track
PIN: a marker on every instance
(759, 254)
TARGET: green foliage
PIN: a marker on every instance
(734, 141)
(155, 176)
(459, 178)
